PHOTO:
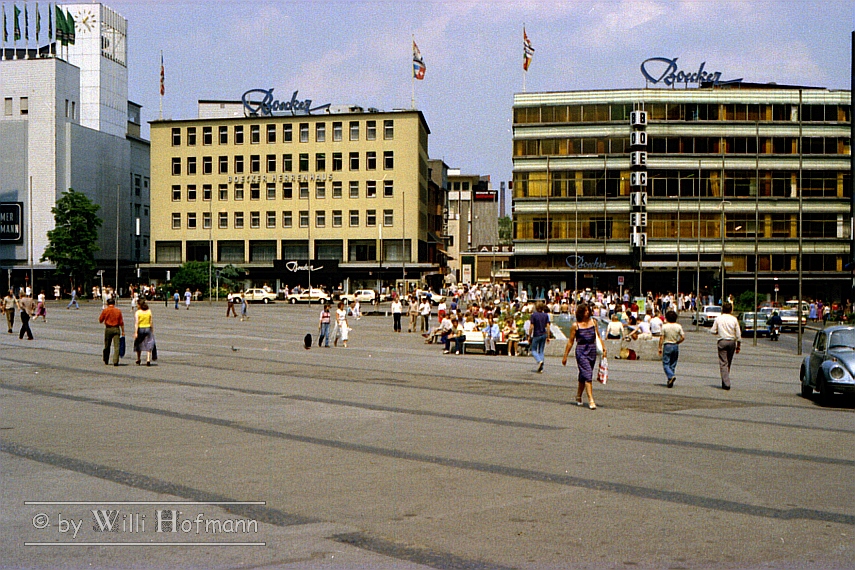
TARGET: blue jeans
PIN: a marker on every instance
(324, 335)
(670, 354)
(538, 347)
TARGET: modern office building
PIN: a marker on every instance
(336, 188)
(659, 189)
(67, 123)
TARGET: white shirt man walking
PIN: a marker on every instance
(726, 327)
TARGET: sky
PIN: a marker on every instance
(360, 52)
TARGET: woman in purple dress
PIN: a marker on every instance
(585, 334)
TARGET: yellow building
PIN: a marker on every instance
(343, 188)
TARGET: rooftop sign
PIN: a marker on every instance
(11, 222)
(267, 106)
(671, 76)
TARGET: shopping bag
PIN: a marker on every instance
(603, 373)
(121, 346)
(599, 346)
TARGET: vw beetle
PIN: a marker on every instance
(830, 367)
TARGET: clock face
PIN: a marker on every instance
(86, 21)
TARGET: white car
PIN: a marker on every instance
(259, 296)
(365, 296)
(303, 296)
(707, 316)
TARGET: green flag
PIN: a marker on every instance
(38, 23)
(60, 27)
(26, 24)
(5, 30)
(49, 24)
(17, 24)
(69, 29)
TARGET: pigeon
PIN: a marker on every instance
(234, 349)
(307, 342)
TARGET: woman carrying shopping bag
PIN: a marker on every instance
(585, 334)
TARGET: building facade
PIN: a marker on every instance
(67, 123)
(471, 219)
(684, 189)
(343, 189)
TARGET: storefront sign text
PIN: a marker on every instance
(672, 76)
(578, 262)
(11, 222)
(268, 106)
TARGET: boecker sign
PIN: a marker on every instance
(268, 106)
(671, 75)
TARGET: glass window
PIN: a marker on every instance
(271, 219)
(255, 191)
(388, 188)
(370, 130)
(206, 192)
(287, 219)
(191, 193)
(336, 189)
(304, 190)
(389, 129)
(371, 218)
(207, 165)
(224, 135)
(254, 134)
(8, 112)
(287, 190)
(354, 218)
(336, 162)
(176, 166)
(191, 220)
(223, 192)
(238, 164)
(223, 162)
(176, 221)
(371, 189)
(287, 133)
(320, 162)
(388, 218)
(176, 193)
(336, 131)
(238, 191)
(320, 219)
(255, 220)
(354, 161)
(206, 220)
(320, 132)
(207, 136)
(238, 220)
(255, 163)
(238, 134)
(191, 136)
(271, 163)
(320, 190)
(271, 134)
(191, 165)
(304, 132)
(354, 130)
(223, 220)
(336, 218)
(304, 218)
(388, 159)
(370, 160)
(287, 163)
(271, 190)
(304, 162)
(25, 106)
(354, 189)
(176, 135)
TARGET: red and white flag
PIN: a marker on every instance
(419, 67)
(162, 76)
(528, 51)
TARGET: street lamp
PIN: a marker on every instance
(721, 206)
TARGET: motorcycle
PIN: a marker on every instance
(774, 332)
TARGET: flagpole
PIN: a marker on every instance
(413, 79)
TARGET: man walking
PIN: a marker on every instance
(187, 296)
(114, 329)
(9, 305)
(28, 308)
(539, 334)
(726, 327)
(73, 300)
(424, 313)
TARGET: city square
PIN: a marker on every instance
(389, 454)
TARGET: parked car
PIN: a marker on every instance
(746, 324)
(362, 295)
(318, 295)
(790, 320)
(259, 296)
(435, 298)
(830, 367)
(793, 305)
(707, 316)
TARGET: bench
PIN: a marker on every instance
(475, 341)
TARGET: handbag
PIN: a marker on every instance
(122, 346)
(599, 345)
(603, 372)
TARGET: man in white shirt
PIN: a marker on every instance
(726, 327)
(656, 325)
(424, 313)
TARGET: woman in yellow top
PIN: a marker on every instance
(143, 329)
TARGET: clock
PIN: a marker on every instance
(86, 20)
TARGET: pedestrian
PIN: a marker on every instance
(492, 335)
(41, 308)
(396, 309)
(341, 329)
(324, 327)
(143, 333)
(57, 292)
(726, 327)
(230, 305)
(114, 330)
(10, 303)
(177, 298)
(28, 308)
(187, 296)
(669, 349)
(412, 312)
(73, 300)
(244, 307)
(539, 334)
(356, 310)
(585, 334)
(424, 313)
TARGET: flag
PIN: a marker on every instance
(528, 51)
(38, 23)
(49, 24)
(162, 76)
(17, 24)
(60, 26)
(419, 67)
(69, 28)
(26, 24)
(5, 30)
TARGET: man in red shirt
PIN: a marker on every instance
(114, 329)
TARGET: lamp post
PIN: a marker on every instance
(721, 206)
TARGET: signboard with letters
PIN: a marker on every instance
(670, 75)
(11, 222)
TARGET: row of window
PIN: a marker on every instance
(272, 133)
(272, 192)
(684, 145)
(273, 219)
(735, 263)
(234, 251)
(272, 163)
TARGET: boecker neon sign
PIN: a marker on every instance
(671, 75)
(268, 106)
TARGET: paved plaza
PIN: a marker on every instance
(388, 454)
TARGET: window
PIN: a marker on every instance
(388, 188)
(354, 161)
(223, 220)
(255, 220)
(191, 221)
(304, 162)
(304, 190)
(191, 136)
(389, 129)
(320, 219)
(336, 189)
(206, 220)
(25, 107)
(191, 193)
(304, 132)
(271, 219)
(176, 133)
(388, 218)
(255, 163)
(254, 191)
(354, 189)
(354, 130)
(371, 218)
(271, 190)
(320, 132)
(207, 165)
(223, 163)
(336, 162)
(388, 159)
(176, 166)
(238, 134)
(271, 134)
(254, 134)
(320, 190)
(239, 164)
(271, 163)
(287, 163)
(287, 219)
(371, 130)
(336, 218)
(7, 108)
(304, 218)
(239, 220)
(336, 131)
(191, 165)
(206, 192)
(176, 221)
(320, 162)
(354, 218)
(371, 189)
(176, 193)
(207, 136)
(238, 191)
(224, 135)
(287, 190)
(287, 133)
(370, 160)
(223, 192)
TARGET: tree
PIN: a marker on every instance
(74, 239)
(506, 227)
(192, 275)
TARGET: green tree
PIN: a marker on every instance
(230, 275)
(74, 239)
(192, 275)
(745, 302)
(506, 227)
